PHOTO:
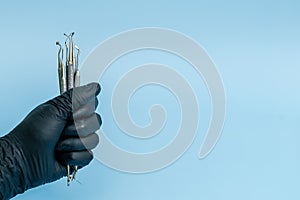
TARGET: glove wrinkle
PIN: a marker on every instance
(11, 165)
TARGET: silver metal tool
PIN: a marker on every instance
(76, 84)
(70, 61)
(68, 77)
(76, 73)
(61, 70)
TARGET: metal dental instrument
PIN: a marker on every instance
(68, 78)
(63, 86)
(70, 61)
(76, 84)
(68, 175)
(61, 70)
(76, 74)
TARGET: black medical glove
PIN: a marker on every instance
(56, 133)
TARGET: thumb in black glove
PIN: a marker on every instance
(39, 148)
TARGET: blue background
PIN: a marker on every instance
(255, 45)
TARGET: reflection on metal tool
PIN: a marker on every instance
(68, 77)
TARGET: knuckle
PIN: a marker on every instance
(99, 120)
(97, 139)
(72, 156)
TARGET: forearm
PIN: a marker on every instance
(12, 181)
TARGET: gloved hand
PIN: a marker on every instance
(39, 148)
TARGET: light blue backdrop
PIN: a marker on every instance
(256, 47)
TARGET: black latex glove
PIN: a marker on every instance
(39, 148)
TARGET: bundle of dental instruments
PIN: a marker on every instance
(69, 77)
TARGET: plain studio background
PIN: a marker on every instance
(254, 44)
